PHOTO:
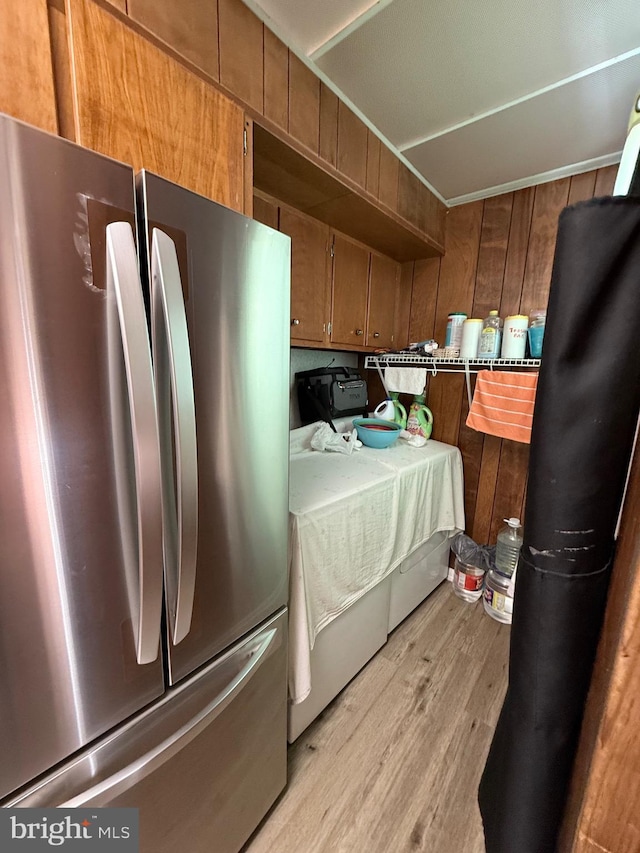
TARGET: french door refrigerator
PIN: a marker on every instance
(143, 497)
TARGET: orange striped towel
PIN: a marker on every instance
(503, 404)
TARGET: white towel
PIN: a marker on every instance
(407, 380)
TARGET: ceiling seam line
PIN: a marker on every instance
(349, 28)
(587, 72)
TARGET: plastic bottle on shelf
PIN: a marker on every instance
(538, 319)
(453, 334)
(490, 336)
(471, 330)
(514, 339)
(420, 420)
(508, 547)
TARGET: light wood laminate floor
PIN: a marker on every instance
(393, 763)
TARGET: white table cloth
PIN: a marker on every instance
(353, 519)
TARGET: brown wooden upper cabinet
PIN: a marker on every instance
(352, 145)
(304, 104)
(241, 35)
(309, 276)
(192, 32)
(350, 286)
(358, 292)
(137, 104)
(384, 280)
(26, 85)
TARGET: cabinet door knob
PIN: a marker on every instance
(376, 334)
(295, 322)
(359, 332)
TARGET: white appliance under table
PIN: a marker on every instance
(370, 537)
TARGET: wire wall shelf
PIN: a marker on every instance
(449, 365)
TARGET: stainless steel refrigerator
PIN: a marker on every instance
(143, 497)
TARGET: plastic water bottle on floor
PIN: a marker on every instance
(508, 547)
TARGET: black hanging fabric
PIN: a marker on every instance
(584, 423)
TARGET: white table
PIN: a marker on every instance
(354, 520)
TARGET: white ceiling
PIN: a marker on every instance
(479, 96)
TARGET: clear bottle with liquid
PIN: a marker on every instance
(508, 547)
(467, 581)
(490, 336)
(497, 597)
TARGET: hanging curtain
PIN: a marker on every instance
(583, 430)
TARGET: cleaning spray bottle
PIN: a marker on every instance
(420, 420)
(400, 413)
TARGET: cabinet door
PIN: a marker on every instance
(191, 32)
(349, 294)
(26, 84)
(309, 275)
(135, 103)
(304, 104)
(384, 277)
(352, 145)
(241, 39)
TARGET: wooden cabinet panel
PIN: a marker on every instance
(309, 278)
(241, 52)
(276, 80)
(328, 125)
(192, 31)
(388, 190)
(58, 32)
(384, 279)
(352, 145)
(304, 104)
(349, 293)
(373, 164)
(26, 84)
(265, 211)
(247, 163)
(432, 214)
(119, 4)
(409, 196)
(136, 104)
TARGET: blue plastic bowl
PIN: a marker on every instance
(377, 433)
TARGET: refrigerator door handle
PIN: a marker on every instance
(177, 417)
(123, 280)
(106, 791)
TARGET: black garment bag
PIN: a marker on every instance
(584, 424)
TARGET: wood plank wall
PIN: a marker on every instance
(498, 254)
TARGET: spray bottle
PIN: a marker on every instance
(420, 420)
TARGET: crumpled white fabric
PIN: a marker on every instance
(325, 438)
(413, 439)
